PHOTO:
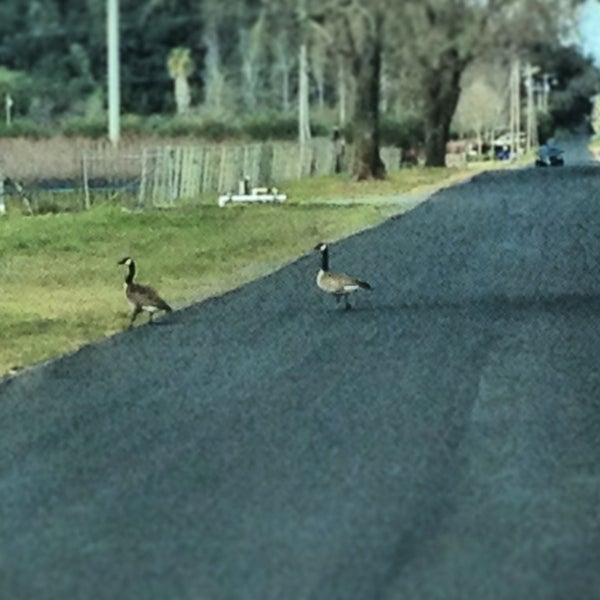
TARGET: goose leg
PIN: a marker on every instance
(347, 304)
(136, 312)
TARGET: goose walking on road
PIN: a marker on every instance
(339, 285)
(141, 297)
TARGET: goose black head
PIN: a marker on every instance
(321, 247)
(125, 261)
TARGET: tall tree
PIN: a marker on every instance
(366, 42)
(253, 61)
(432, 42)
(445, 36)
(442, 34)
(569, 81)
(181, 65)
(359, 31)
(484, 100)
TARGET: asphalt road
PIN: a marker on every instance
(439, 441)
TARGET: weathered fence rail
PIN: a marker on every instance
(162, 175)
(2, 204)
(170, 173)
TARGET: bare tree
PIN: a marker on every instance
(442, 37)
(483, 104)
(250, 42)
(285, 62)
(424, 45)
(221, 91)
(214, 80)
(318, 61)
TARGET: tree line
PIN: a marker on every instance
(358, 61)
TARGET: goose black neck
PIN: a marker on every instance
(325, 259)
(131, 274)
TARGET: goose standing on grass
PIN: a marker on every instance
(338, 284)
(141, 297)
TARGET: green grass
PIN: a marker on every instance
(61, 286)
(341, 186)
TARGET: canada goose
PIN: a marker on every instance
(338, 284)
(141, 297)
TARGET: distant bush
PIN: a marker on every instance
(133, 124)
(406, 133)
(192, 126)
(277, 127)
(320, 129)
(216, 131)
(25, 128)
(84, 127)
(266, 127)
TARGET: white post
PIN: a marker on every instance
(531, 120)
(2, 205)
(303, 106)
(143, 177)
(114, 100)
(8, 104)
(342, 92)
(86, 187)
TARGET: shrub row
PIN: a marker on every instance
(257, 127)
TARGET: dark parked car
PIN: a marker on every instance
(549, 155)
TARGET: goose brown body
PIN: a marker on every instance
(141, 297)
(339, 285)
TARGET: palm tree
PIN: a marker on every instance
(181, 66)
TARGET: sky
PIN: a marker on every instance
(589, 29)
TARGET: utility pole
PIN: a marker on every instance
(531, 137)
(114, 92)
(303, 91)
(303, 107)
(515, 105)
(545, 91)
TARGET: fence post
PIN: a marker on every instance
(205, 169)
(86, 187)
(2, 205)
(143, 177)
(221, 185)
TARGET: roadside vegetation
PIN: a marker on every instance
(595, 147)
(367, 76)
(62, 288)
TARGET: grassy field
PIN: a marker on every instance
(61, 286)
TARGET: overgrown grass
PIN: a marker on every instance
(61, 286)
(594, 147)
(398, 182)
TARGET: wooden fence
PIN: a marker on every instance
(167, 174)
(2, 204)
